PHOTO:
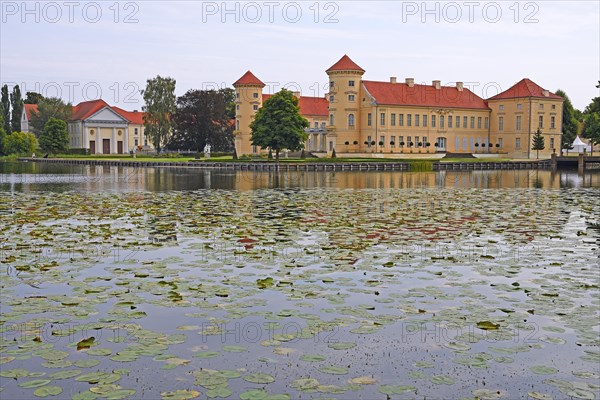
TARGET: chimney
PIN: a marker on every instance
(393, 79)
(437, 84)
(459, 86)
(410, 82)
(545, 93)
(297, 94)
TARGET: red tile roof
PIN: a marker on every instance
(86, 108)
(134, 117)
(309, 105)
(345, 64)
(524, 88)
(249, 79)
(29, 108)
(387, 93)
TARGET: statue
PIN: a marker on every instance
(207, 150)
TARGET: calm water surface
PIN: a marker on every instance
(159, 282)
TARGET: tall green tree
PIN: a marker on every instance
(16, 102)
(51, 107)
(229, 98)
(20, 143)
(278, 124)
(54, 137)
(538, 142)
(570, 124)
(5, 101)
(33, 98)
(159, 97)
(2, 132)
(593, 107)
(201, 117)
(591, 129)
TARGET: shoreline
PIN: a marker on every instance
(308, 166)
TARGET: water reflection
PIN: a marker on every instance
(25, 177)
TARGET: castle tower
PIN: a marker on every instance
(344, 105)
(248, 99)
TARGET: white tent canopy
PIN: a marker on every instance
(579, 146)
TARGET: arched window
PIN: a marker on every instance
(331, 120)
(350, 119)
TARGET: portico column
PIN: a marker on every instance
(99, 148)
(113, 141)
(86, 142)
(126, 141)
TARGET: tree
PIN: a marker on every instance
(538, 142)
(54, 138)
(278, 124)
(50, 107)
(591, 129)
(2, 131)
(5, 101)
(229, 96)
(593, 107)
(20, 143)
(200, 118)
(33, 98)
(159, 97)
(570, 124)
(16, 102)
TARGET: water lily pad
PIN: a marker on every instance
(181, 394)
(442, 380)
(487, 325)
(334, 370)
(363, 380)
(235, 349)
(46, 391)
(34, 383)
(543, 370)
(259, 378)
(312, 357)
(219, 392)
(305, 384)
(342, 345)
(254, 394)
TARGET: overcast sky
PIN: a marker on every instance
(84, 50)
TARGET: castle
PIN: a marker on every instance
(368, 118)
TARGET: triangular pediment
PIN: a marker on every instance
(106, 114)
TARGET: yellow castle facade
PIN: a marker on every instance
(359, 116)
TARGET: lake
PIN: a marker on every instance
(192, 283)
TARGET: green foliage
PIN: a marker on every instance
(278, 124)
(593, 107)
(201, 118)
(570, 124)
(5, 108)
(20, 143)
(591, 128)
(538, 142)
(2, 132)
(229, 97)
(51, 107)
(54, 138)
(159, 97)
(33, 98)
(17, 108)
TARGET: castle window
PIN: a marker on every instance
(441, 121)
(500, 142)
(351, 83)
(472, 122)
(350, 97)
(408, 119)
(551, 143)
(393, 119)
(465, 122)
(518, 122)
(501, 107)
(541, 106)
(417, 119)
(501, 123)
(382, 119)
(369, 119)
(517, 143)
(237, 107)
(457, 121)
(401, 119)
(541, 121)
(316, 124)
(331, 99)
(552, 122)
(554, 106)
(237, 95)
(424, 119)
(450, 121)
(433, 121)
(331, 120)
(331, 84)
(478, 122)
(237, 124)
(487, 122)
(135, 131)
(351, 120)
(255, 95)
(255, 107)
(519, 106)
(322, 125)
